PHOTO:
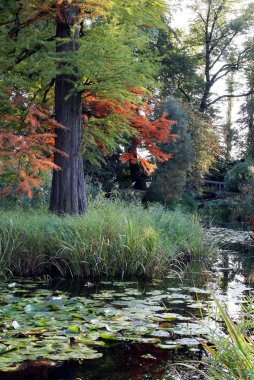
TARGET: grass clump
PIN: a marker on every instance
(113, 239)
(232, 357)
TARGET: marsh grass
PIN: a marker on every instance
(232, 357)
(114, 239)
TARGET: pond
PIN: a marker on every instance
(124, 330)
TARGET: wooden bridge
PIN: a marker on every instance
(217, 186)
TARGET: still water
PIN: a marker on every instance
(155, 325)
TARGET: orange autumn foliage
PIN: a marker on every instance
(26, 148)
(147, 134)
(55, 9)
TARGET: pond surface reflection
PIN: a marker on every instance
(141, 330)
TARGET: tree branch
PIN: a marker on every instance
(227, 96)
(26, 53)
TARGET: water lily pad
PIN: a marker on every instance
(73, 330)
(188, 342)
(12, 285)
(16, 325)
(168, 346)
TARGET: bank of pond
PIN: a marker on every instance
(114, 239)
(121, 330)
(124, 293)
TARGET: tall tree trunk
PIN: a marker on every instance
(228, 128)
(138, 177)
(250, 123)
(68, 184)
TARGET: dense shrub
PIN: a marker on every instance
(170, 179)
(220, 210)
(239, 176)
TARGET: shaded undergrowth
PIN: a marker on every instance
(113, 239)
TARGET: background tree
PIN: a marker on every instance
(214, 35)
(228, 127)
(247, 110)
(170, 179)
(72, 51)
(194, 150)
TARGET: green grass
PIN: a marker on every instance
(232, 357)
(114, 239)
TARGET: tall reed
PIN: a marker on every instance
(231, 357)
(113, 239)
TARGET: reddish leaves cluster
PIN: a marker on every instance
(58, 9)
(26, 148)
(147, 134)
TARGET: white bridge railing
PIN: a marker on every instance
(219, 186)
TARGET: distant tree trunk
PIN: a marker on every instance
(228, 128)
(250, 123)
(68, 185)
(138, 178)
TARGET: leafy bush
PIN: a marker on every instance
(170, 179)
(239, 176)
(189, 203)
(246, 202)
(220, 210)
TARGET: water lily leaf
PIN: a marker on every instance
(34, 308)
(188, 342)
(197, 305)
(85, 356)
(3, 348)
(12, 285)
(155, 293)
(106, 336)
(16, 325)
(106, 282)
(148, 356)
(197, 290)
(169, 316)
(160, 334)
(35, 331)
(41, 323)
(73, 330)
(76, 315)
(167, 346)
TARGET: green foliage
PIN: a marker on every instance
(113, 239)
(206, 148)
(245, 205)
(170, 178)
(189, 203)
(178, 73)
(220, 210)
(194, 151)
(240, 175)
(114, 55)
(232, 356)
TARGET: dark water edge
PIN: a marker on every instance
(230, 277)
(119, 363)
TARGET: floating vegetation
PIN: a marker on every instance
(170, 319)
(219, 235)
(37, 323)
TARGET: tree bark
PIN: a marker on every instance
(138, 177)
(68, 184)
